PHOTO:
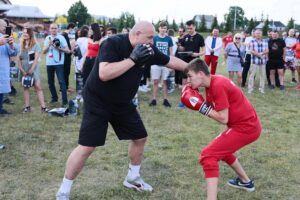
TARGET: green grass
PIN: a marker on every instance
(33, 164)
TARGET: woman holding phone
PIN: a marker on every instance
(28, 59)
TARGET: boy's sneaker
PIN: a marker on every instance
(62, 196)
(237, 183)
(138, 183)
(152, 103)
(166, 103)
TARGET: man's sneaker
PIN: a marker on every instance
(62, 196)
(294, 80)
(53, 101)
(44, 109)
(2, 146)
(166, 103)
(237, 183)
(282, 87)
(272, 87)
(8, 101)
(27, 109)
(152, 103)
(138, 183)
(4, 112)
(181, 105)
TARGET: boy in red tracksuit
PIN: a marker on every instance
(227, 104)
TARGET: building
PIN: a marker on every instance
(208, 20)
(273, 25)
(19, 15)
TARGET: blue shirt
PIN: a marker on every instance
(163, 44)
(54, 56)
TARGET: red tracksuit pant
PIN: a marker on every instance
(213, 61)
(223, 148)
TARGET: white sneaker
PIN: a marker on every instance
(138, 183)
(142, 89)
(146, 88)
(62, 196)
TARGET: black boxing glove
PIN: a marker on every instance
(141, 53)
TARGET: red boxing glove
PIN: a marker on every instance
(192, 99)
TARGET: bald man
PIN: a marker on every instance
(107, 95)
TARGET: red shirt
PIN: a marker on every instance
(93, 49)
(223, 94)
(226, 40)
(296, 48)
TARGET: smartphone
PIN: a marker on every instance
(8, 31)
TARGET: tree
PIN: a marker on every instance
(79, 13)
(203, 27)
(174, 26)
(251, 25)
(228, 26)
(265, 27)
(290, 25)
(235, 12)
(215, 24)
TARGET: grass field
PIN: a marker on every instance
(32, 166)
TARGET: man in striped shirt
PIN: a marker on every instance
(259, 52)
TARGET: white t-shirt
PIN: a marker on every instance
(82, 42)
(247, 42)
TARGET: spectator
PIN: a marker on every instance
(67, 62)
(55, 46)
(233, 53)
(7, 49)
(246, 67)
(28, 60)
(259, 51)
(296, 48)
(92, 51)
(213, 46)
(227, 39)
(290, 54)
(164, 44)
(111, 31)
(276, 59)
(179, 74)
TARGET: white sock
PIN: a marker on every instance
(133, 171)
(65, 186)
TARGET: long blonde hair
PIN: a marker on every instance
(32, 40)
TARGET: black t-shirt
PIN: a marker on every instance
(192, 43)
(276, 49)
(120, 91)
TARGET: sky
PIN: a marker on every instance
(278, 10)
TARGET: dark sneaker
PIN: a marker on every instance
(152, 103)
(181, 105)
(27, 109)
(2, 146)
(237, 183)
(282, 87)
(8, 101)
(272, 87)
(166, 103)
(4, 112)
(294, 80)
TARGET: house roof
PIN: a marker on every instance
(272, 24)
(208, 18)
(24, 11)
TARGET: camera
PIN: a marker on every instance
(56, 42)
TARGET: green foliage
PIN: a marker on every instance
(215, 24)
(251, 25)
(265, 27)
(290, 25)
(126, 20)
(235, 12)
(202, 27)
(174, 26)
(78, 13)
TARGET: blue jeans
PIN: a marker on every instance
(1, 102)
(59, 70)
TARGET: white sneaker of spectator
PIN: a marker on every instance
(142, 89)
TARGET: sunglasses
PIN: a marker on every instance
(237, 38)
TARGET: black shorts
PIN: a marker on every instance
(276, 64)
(93, 130)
